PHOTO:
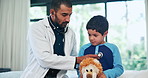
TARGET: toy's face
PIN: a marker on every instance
(90, 68)
(90, 71)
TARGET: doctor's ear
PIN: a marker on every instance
(52, 12)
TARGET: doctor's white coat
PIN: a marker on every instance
(41, 40)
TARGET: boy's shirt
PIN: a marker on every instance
(111, 60)
(106, 60)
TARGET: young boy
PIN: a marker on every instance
(97, 28)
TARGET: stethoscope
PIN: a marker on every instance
(56, 28)
(100, 54)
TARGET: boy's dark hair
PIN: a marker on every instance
(55, 4)
(98, 23)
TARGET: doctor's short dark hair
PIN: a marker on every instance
(55, 4)
(98, 23)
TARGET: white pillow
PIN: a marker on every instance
(135, 74)
(11, 74)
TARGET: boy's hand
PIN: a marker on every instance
(102, 75)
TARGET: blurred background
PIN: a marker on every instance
(127, 28)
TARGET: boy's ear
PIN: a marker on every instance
(105, 33)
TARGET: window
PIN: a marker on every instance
(37, 13)
(127, 27)
(80, 16)
(128, 32)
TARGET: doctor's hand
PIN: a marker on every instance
(79, 59)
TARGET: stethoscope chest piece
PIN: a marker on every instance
(100, 54)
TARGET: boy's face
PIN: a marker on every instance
(95, 37)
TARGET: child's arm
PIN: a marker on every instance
(118, 68)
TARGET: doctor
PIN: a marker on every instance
(52, 44)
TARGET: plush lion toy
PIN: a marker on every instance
(90, 68)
